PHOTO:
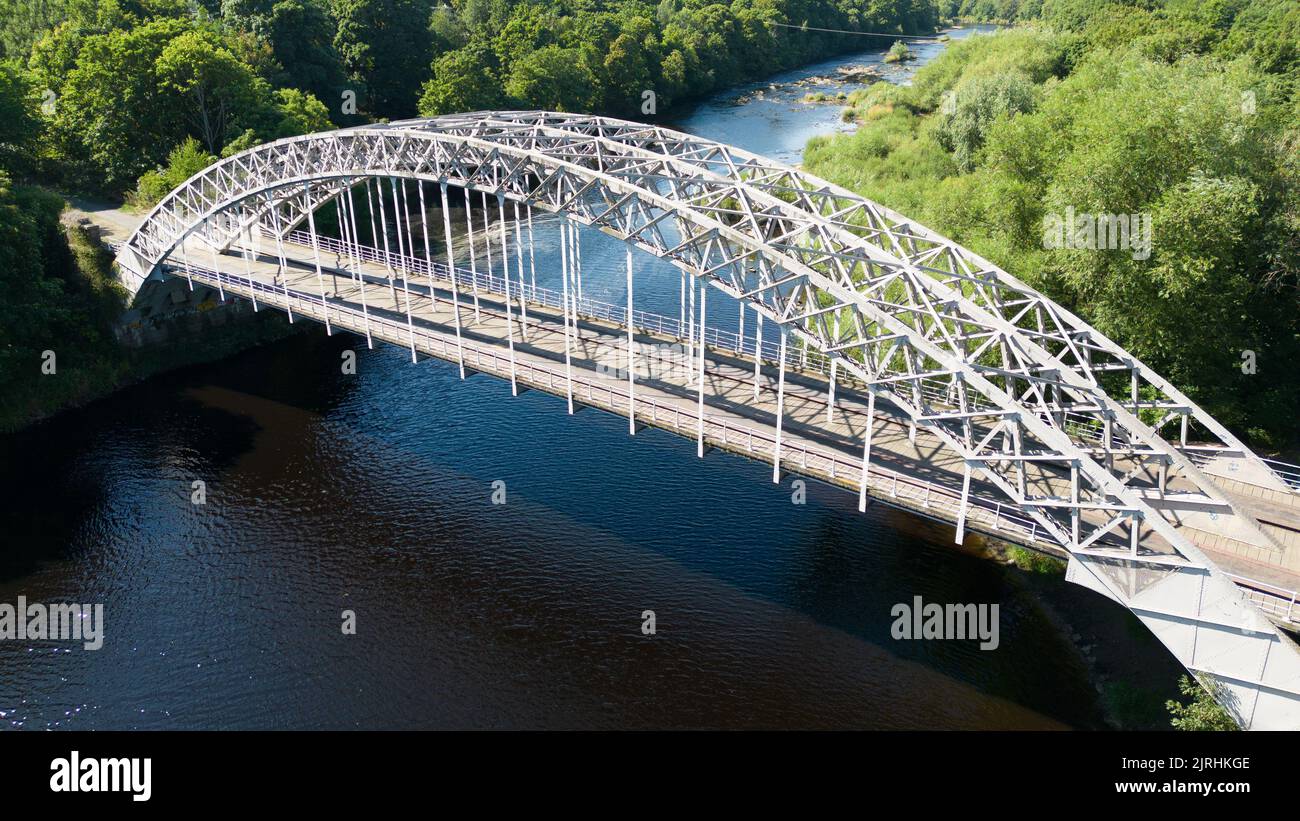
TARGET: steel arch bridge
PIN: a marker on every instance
(1066, 425)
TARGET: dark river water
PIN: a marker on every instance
(373, 493)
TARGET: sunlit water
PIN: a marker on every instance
(372, 493)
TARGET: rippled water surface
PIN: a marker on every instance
(372, 493)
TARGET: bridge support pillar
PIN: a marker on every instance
(388, 254)
(216, 267)
(830, 394)
(532, 258)
(283, 269)
(681, 306)
(690, 325)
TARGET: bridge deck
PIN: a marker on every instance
(913, 473)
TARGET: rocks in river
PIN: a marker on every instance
(858, 74)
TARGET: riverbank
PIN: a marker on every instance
(1131, 672)
(65, 377)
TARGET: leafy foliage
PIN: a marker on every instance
(186, 160)
(1098, 114)
(1202, 712)
(573, 55)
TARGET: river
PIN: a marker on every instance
(372, 493)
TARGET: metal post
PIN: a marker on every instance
(830, 397)
(690, 326)
(487, 238)
(255, 242)
(473, 263)
(758, 350)
(346, 260)
(388, 255)
(409, 254)
(402, 256)
(216, 269)
(681, 310)
(532, 259)
(780, 412)
(284, 264)
(577, 256)
(361, 276)
(699, 440)
(248, 268)
(428, 250)
(631, 352)
(451, 267)
(866, 451)
(519, 259)
(370, 207)
(965, 498)
(564, 275)
(1074, 500)
(320, 279)
(505, 272)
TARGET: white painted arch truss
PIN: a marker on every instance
(1038, 404)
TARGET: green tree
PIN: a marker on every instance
(20, 122)
(22, 22)
(301, 34)
(552, 78)
(386, 50)
(463, 80)
(111, 122)
(217, 88)
(1202, 712)
(290, 113)
(976, 104)
(629, 67)
(185, 160)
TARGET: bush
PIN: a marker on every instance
(976, 104)
(1202, 712)
(185, 160)
(899, 53)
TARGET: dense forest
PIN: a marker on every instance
(125, 99)
(1180, 112)
(120, 88)
(1183, 113)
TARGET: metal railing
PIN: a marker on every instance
(1287, 472)
(934, 390)
(1273, 600)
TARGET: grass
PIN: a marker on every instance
(1031, 561)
